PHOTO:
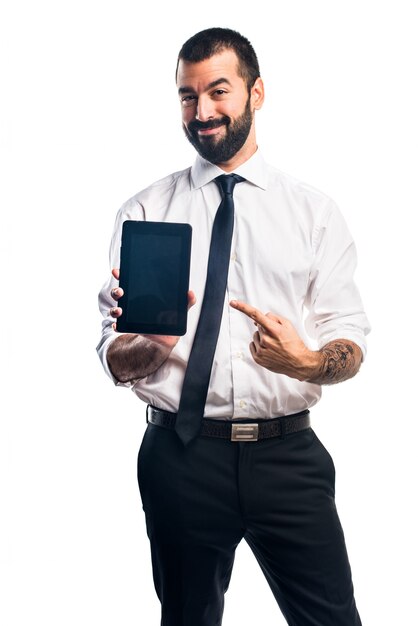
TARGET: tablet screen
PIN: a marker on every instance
(154, 274)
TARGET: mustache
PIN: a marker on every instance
(196, 125)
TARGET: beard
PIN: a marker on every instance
(220, 150)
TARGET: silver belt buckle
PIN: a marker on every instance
(244, 432)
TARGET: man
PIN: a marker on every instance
(252, 468)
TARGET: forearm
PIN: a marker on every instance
(133, 356)
(337, 361)
(278, 347)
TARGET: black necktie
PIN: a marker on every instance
(196, 381)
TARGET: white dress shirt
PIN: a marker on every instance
(291, 254)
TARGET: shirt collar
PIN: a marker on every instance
(254, 170)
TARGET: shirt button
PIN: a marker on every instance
(240, 355)
(234, 256)
(242, 404)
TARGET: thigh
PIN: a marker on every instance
(296, 535)
(190, 501)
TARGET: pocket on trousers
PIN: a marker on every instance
(140, 462)
(328, 460)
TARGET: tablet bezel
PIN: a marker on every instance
(132, 229)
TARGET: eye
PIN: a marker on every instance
(219, 92)
(188, 100)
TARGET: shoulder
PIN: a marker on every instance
(160, 190)
(315, 212)
(298, 190)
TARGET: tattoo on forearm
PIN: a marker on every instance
(341, 361)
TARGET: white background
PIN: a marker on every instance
(90, 117)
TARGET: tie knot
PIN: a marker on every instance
(227, 182)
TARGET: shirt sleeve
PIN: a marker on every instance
(108, 333)
(130, 210)
(335, 308)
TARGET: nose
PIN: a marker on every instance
(204, 110)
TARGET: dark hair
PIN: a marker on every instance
(212, 41)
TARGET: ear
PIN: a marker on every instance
(257, 94)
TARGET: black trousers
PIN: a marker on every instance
(277, 494)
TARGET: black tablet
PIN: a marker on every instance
(154, 275)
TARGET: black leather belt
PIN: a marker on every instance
(238, 430)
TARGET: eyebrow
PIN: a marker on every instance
(211, 85)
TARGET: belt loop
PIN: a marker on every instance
(282, 428)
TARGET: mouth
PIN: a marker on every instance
(209, 128)
(204, 132)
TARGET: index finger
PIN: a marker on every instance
(255, 314)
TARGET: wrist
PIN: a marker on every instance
(312, 367)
